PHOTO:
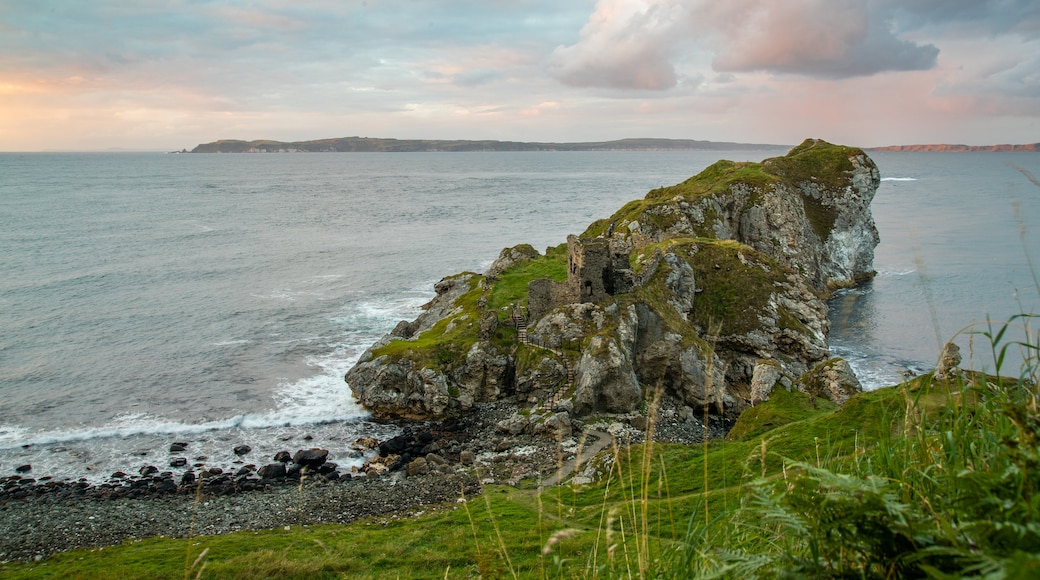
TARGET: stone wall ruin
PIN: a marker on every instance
(596, 268)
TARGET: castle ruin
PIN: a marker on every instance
(596, 268)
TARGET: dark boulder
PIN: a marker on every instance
(283, 457)
(23, 468)
(394, 446)
(241, 450)
(272, 471)
(149, 470)
(327, 468)
(311, 457)
(178, 446)
(178, 462)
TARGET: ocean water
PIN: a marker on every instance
(960, 246)
(219, 299)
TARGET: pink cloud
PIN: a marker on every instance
(626, 44)
(639, 44)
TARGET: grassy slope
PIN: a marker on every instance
(637, 520)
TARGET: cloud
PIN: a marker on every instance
(641, 44)
(722, 69)
(978, 17)
(815, 38)
(627, 44)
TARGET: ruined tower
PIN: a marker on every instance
(596, 268)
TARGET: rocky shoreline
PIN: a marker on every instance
(428, 463)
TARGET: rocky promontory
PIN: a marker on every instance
(710, 292)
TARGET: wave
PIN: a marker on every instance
(16, 436)
(898, 179)
(318, 399)
(887, 273)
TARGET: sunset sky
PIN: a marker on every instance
(169, 74)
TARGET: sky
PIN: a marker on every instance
(170, 74)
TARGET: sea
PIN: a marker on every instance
(218, 299)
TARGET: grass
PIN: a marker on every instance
(511, 286)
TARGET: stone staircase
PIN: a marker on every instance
(561, 389)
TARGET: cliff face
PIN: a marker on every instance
(711, 290)
(809, 209)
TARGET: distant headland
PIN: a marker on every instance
(375, 144)
(941, 148)
(378, 145)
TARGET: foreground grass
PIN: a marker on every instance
(928, 478)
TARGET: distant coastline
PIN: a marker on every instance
(374, 144)
(943, 148)
(380, 145)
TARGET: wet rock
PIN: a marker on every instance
(178, 447)
(311, 457)
(178, 462)
(241, 450)
(272, 471)
(363, 443)
(23, 468)
(148, 470)
(376, 470)
(394, 445)
(283, 457)
(327, 468)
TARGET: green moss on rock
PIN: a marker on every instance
(782, 408)
(511, 286)
(448, 340)
(735, 283)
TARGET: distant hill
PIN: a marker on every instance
(940, 148)
(372, 144)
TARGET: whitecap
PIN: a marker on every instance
(898, 179)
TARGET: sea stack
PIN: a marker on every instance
(687, 290)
